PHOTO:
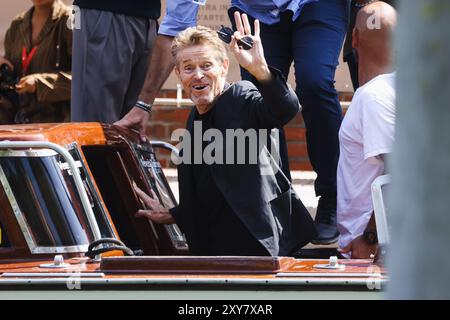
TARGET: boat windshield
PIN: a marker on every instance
(42, 193)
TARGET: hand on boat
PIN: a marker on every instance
(360, 249)
(155, 212)
(137, 120)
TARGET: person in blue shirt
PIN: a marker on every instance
(111, 51)
(309, 33)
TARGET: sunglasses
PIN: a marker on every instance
(225, 34)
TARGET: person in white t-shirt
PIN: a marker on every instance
(367, 132)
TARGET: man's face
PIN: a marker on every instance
(202, 75)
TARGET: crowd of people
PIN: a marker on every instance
(112, 66)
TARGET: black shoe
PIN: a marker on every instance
(326, 221)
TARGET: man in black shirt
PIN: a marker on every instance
(219, 230)
(228, 207)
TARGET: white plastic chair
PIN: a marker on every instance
(380, 208)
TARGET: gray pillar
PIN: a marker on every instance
(419, 257)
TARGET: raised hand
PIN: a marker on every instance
(253, 59)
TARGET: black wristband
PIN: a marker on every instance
(144, 106)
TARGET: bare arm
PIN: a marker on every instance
(161, 64)
(359, 247)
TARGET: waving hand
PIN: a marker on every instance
(253, 59)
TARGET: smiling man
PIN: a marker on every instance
(202, 74)
(228, 209)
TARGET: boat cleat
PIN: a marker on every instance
(333, 264)
(58, 263)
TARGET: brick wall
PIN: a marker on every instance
(165, 119)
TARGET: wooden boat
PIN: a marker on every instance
(66, 191)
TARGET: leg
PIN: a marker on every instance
(141, 62)
(103, 60)
(352, 63)
(317, 40)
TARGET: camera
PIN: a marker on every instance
(8, 80)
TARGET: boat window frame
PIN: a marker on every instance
(45, 149)
(92, 189)
(177, 237)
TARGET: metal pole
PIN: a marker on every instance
(76, 175)
(418, 259)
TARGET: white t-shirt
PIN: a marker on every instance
(367, 132)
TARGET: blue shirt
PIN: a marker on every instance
(268, 11)
(180, 15)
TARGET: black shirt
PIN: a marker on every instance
(136, 8)
(220, 230)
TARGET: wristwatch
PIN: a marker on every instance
(370, 236)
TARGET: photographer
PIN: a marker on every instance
(35, 73)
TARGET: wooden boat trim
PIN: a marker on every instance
(195, 265)
(162, 273)
(82, 272)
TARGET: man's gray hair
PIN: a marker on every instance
(199, 35)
